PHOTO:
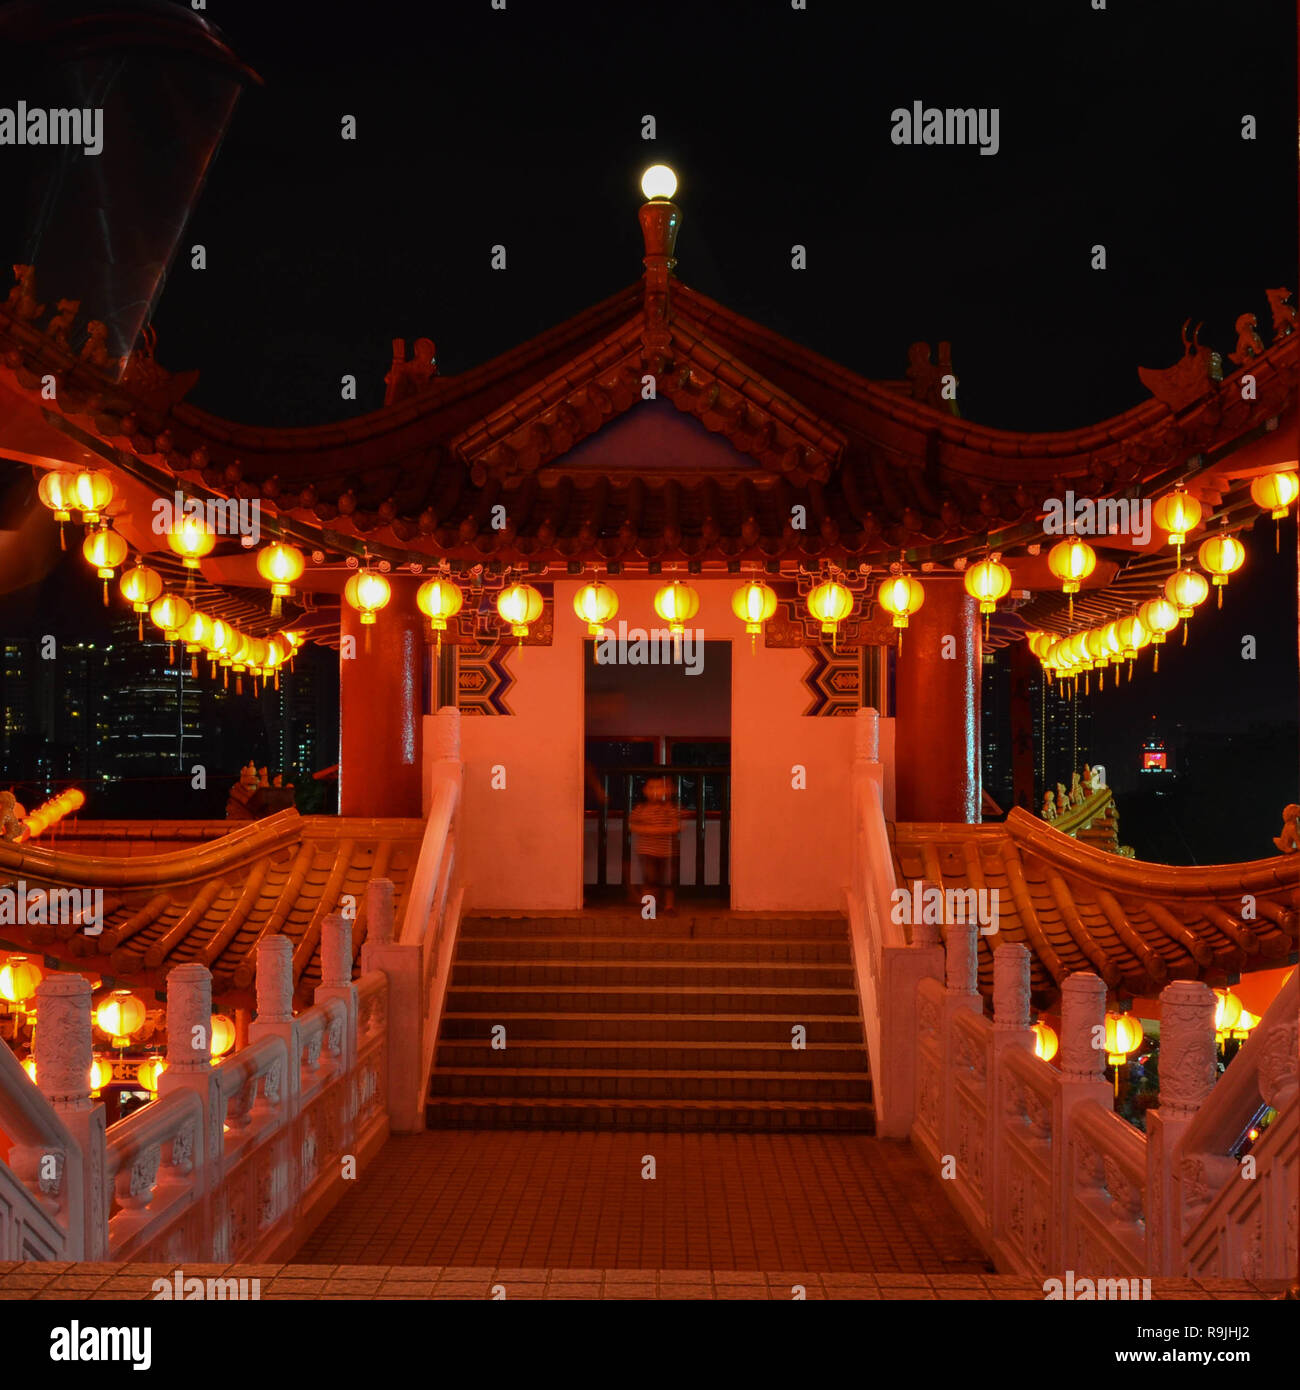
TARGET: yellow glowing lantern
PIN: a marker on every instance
(830, 603)
(1275, 492)
(367, 591)
(1045, 1041)
(440, 599)
(1071, 561)
(901, 595)
(1185, 590)
(196, 633)
(596, 604)
(1099, 652)
(1221, 556)
(121, 1014)
(1132, 636)
(520, 605)
(754, 603)
(101, 1073)
(191, 540)
(282, 564)
(148, 1073)
(677, 604)
(1160, 618)
(29, 1066)
(1038, 642)
(277, 653)
(1123, 1035)
(170, 613)
(18, 980)
(140, 585)
(1245, 1025)
(223, 1035)
(92, 491)
(56, 491)
(106, 550)
(987, 581)
(1177, 512)
(220, 639)
(1227, 1011)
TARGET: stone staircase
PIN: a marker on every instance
(681, 1023)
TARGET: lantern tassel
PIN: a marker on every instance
(225, 678)
(276, 608)
(277, 678)
(1185, 626)
(106, 593)
(1155, 661)
(1220, 595)
(140, 630)
(194, 668)
(239, 685)
(63, 537)
(1277, 538)
(171, 653)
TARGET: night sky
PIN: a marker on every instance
(523, 127)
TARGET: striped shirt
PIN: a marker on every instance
(655, 824)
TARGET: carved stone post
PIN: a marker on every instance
(336, 974)
(442, 761)
(1082, 1078)
(866, 736)
(1011, 1032)
(63, 1051)
(902, 969)
(379, 911)
(275, 1020)
(406, 1015)
(1188, 1069)
(961, 995)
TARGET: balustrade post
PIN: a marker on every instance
(62, 1046)
(442, 757)
(1011, 1032)
(902, 970)
(961, 995)
(1188, 1069)
(336, 975)
(275, 1016)
(1081, 1078)
(189, 1057)
(406, 1002)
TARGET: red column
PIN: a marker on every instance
(937, 708)
(381, 700)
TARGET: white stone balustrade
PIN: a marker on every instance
(1043, 1171)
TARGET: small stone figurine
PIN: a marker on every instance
(1288, 842)
(11, 817)
(1249, 343)
(1049, 806)
(1284, 317)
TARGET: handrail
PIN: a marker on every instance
(35, 1128)
(1236, 1095)
(424, 881)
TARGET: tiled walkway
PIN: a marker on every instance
(836, 1204)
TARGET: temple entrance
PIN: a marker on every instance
(657, 714)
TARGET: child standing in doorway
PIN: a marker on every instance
(656, 821)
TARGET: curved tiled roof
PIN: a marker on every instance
(213, 903)
(877, 470)
(1135, 924)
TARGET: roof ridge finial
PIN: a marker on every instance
(660, 219)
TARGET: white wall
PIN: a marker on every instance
(524, 845)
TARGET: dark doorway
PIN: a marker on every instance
(646, 719)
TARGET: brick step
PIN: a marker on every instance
(536, 1113)
(637, 1028)
(840, 1058)
(519, 1083)
(621, 948)
(674, 926)
(653, 975)
(787, 1002)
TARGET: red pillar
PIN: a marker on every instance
(381, 701)
(937, 708)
